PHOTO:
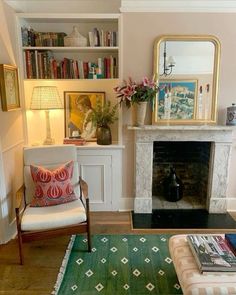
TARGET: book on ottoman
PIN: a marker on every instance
(231, 241)
(212, 253)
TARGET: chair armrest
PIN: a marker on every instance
(19, 197)
(83, 188)
(84, 194)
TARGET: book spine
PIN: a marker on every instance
(86, 69)
(230, 245)
(28, 64)
(194, 249)
(81, 69)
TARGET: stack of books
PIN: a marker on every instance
(74, 140)
(212, 253)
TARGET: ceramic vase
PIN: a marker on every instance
(104, 135)
(141, 109)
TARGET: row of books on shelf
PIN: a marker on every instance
(96, 37)
(214, 253)
(103, 38)
(43, 65)
(33, 38)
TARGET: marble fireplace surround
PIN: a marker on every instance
(219, 136)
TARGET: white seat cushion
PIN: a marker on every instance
(41, 218)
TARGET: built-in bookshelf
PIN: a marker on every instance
(44, 55)
(94, 67)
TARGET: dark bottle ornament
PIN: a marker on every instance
(172, 187)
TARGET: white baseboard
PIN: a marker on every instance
(10, 232)
(231, 204)
(126, 204)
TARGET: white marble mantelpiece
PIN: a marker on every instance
(219, 136)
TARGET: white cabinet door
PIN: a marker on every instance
(96, 171)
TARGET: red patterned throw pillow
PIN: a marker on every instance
(52, 187)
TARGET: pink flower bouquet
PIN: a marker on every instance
(131, 92)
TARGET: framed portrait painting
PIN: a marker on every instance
(176, 101)
(78, 106)
(9, 88)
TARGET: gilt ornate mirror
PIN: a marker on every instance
(186, 69)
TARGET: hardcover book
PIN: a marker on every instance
(231, 241)
(212, 253)
(73, 140)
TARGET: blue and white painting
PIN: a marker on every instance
(177, 100)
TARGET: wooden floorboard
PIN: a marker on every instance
(43, 258)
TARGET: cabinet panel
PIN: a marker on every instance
(96, 171)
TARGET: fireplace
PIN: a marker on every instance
(191, 162)
(217, 138)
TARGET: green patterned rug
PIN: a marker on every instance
(118, 264)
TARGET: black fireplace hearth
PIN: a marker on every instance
(183, 219)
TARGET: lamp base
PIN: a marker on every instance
(49, 141)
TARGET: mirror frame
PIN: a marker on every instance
(213, 116)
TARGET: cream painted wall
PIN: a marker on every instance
(11, 133)
(140, 30)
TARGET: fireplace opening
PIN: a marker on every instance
(191, 161)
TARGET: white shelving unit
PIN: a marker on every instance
(100, 166)
(45, 22)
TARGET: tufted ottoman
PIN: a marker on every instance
(191, 280)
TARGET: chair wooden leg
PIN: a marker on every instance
(88, 225)
(19, 236)
(20, 244)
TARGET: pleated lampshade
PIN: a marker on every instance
(45, 98)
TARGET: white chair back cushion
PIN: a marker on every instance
(50, 157)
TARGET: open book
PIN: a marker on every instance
(212, 253)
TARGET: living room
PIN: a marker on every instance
(139, 24)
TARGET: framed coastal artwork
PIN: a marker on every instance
(176, 101)
(78, 107)
(9, 88)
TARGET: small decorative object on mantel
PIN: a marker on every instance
(75, 39)
(102, 116)
(231, 115)
(138, 94)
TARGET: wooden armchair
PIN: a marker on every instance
(34, 223)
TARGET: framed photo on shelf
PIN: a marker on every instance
(9, 87)
(176, 102)
(78, 107)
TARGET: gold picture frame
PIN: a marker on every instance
(193, 48)
(78, 105)
(9, 87)
(176, 101)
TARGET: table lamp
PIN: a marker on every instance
(46, 98)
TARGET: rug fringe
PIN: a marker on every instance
(61, 273)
